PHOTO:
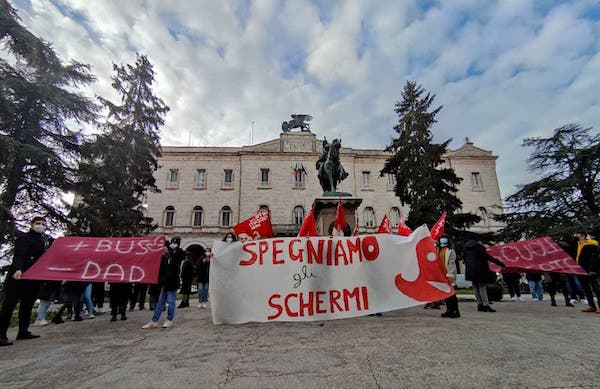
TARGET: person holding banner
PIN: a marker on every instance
(168, 280)
(28, 249)
(478, 271)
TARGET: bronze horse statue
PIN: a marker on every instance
(330, 170)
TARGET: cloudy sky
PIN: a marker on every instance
(503, 70)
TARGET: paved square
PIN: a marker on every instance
(523, 345)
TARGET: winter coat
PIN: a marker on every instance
(450, 261)
(75, 287)
(29, 248)
(49, 290)
(168, 276)
(187, 273)
(203, 271)
(588, 257)
(476, 262)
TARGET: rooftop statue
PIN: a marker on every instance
(297, 121)
(329, 168)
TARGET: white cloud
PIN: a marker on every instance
(502, 70)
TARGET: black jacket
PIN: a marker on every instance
(168, 276)
(29, 248)
(476, 262)
(589, 258)
(203, 271)
(187, 273)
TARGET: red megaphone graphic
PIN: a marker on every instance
(431, 284)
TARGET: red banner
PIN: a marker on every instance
(76, 258)
(255, 227)
(541, 254)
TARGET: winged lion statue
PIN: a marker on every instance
(298, 120)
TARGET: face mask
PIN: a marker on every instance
(39, 228)
(443, 241)
(173, 246)
(229, 240)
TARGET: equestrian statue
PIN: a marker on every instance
(330, 170)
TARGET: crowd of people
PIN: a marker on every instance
(178, 271)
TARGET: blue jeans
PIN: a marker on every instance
(170, 298)
(43, 309)
(86, 296)
(202, 292)
(536, 289)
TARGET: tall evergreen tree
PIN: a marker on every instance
(567, 196)
(117, 167)
(39, 106)
(417, 164)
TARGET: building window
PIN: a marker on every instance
(228, 178)
(197, 216)
(484, 216)
(476, 181)
(369, 217)
(298, 215)
(391, 182)
(169, 216)
(298, 178)
(201, 178)
(366, 177)
(264, 177)
(225, 216)
(173, 180)
(394, 217)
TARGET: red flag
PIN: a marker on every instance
(308, 226)
(355, 232)
(340, 220)
(403, 229)
(438, 227)
(255, 227)
(385, 227)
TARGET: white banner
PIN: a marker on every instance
(322, 278)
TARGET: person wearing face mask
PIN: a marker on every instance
(447, 257)
(168, 280)
(229, 237)
(28, 249)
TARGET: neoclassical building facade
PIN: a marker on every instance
(204, 191)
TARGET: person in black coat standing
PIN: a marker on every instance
(187, 274)
(28, 249)
(168, 280)
(477, 270)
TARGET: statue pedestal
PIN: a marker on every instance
(326, 207)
